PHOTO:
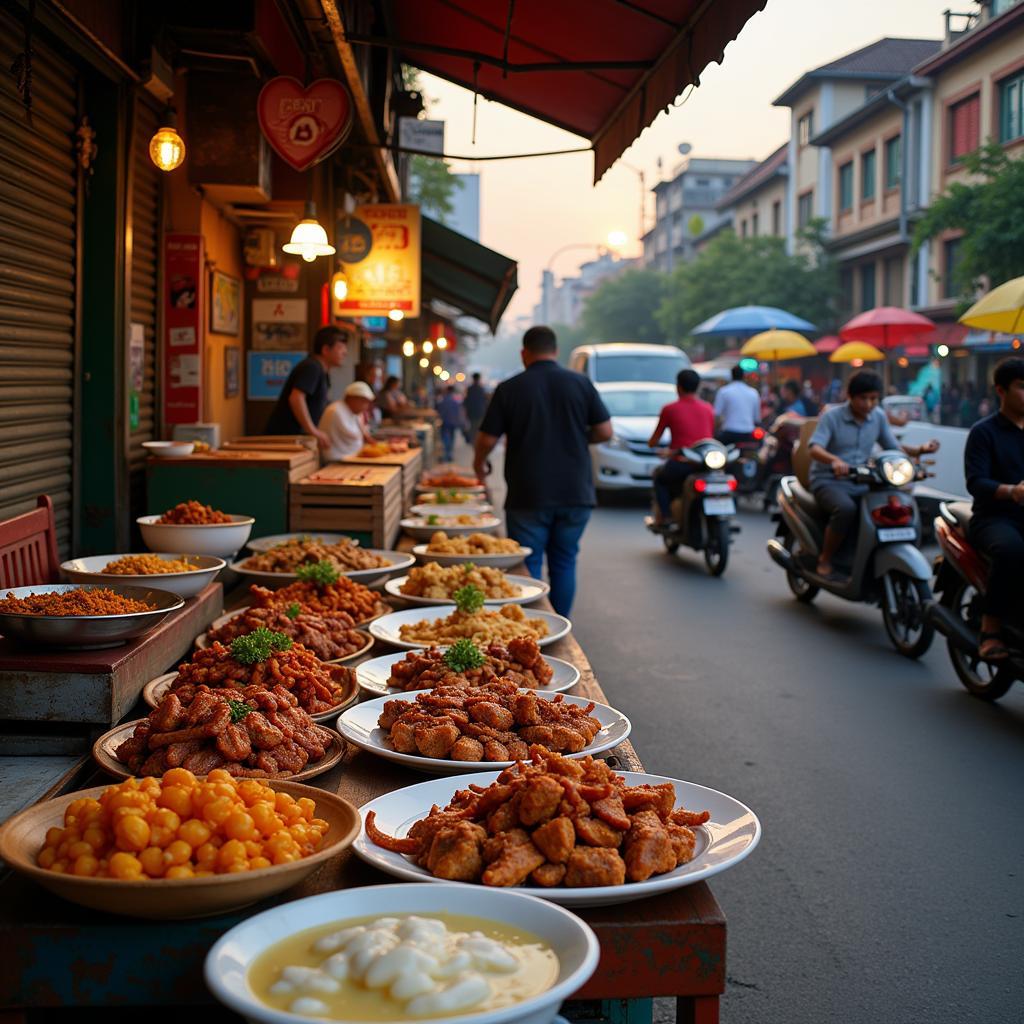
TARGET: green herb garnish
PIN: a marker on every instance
(469, 599)
(463, 655)
(258, 645)
(432, 520)
(294, 610)
(239, 709)
(322, 573)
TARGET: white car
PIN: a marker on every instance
(625, 461)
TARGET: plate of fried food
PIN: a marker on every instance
(479, 548)
(454, 524)
(276, 539)
(465, 664)
(453, 503)
(184, 575)
(571, 831)
(451, 478)
(295, 558)
(468, 619)
(479, 728)
(190, 848)
(324, 591)
(438, 584)
(193, 526)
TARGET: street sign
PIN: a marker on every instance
(267, 373)
(428, 136)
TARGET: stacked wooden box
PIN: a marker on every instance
(364, 501)
(410, 463)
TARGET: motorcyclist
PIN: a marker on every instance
(688, 419)
(845, 436)
(793, 400)
(994, 466)
(737, 409)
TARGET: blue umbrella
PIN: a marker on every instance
(746, 321)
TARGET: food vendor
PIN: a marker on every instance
(343, 422)
(303, 398)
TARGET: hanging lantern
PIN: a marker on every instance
(309, 239)
(167, 148)
(339, 286)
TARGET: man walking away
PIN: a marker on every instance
(451, 413)
(549, 415)
(737, 409)
(475, 404)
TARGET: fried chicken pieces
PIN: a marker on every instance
(328, 635)
(495, 722)
(200, 729)
(519, 661)
(552, 822)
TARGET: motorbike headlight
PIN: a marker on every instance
(714, 459)
(620, 444)
(898, 472)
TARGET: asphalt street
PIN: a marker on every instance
(889, 883)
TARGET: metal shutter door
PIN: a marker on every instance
(142, 290)
(38, 232)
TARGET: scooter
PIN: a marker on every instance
(702, 515)
(776, 455)
(748, 465)
(882, 555)
(961, 578)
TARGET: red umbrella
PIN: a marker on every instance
(886, 327)
(827, 344)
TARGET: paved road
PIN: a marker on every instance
(889, 885)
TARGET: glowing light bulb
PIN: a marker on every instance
(444, 375)
(460, 377)
(408, 347)
(424, 363)
(396, 315)
(339, 286)
(442, 342)
(166, 149)
(437, 371)
(309, 239)
(428, 347)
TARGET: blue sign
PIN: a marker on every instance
(268, 371)
(376, 323)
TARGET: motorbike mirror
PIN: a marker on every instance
(691, 455)
(733, 455)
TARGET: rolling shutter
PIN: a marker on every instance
(38, 233)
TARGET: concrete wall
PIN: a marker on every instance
(760, 202)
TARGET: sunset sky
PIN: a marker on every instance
(530, 208)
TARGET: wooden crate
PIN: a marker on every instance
(362, 501)
(272, 442)
(410, 462)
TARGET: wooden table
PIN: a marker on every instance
(60, 955)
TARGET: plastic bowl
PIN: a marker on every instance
(219, 539)
(184, 584)
(169, 449)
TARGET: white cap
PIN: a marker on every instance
(359, 389)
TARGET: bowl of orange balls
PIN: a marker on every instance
(180, 846)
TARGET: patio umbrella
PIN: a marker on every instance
(853, 350)
(823, 346)
(886, 327)
(774, 345)
(744, 321)
(1001, 310)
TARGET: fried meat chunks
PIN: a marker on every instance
(494, 722)
(200, 729)
(518, 661)
(553, 821)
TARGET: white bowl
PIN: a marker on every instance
(228, 962)
(419, 529)
(219, 539)
(184, 584)
(169, 449)
(475, 508)
(500, 561)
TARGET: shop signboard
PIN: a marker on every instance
(304, 124)
(386, 277)
(279, 324)
(183, 328)
(422, 135)
(267, 373)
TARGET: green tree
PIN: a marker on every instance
(623, 308)
(990, 212)
(431, 181)
(734, 271)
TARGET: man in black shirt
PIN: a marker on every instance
(994, 466)
(304, 396)
(550, 415)
(475, 404)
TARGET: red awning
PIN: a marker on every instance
(603, 69)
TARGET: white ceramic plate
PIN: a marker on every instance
(730, 835)
(359, 726)
(501, 561)
(422, 488)
(398, 561)
(184, 584)
(420, 529)
(373, 675)
(451, 508)
(387, 626)
(531, 590)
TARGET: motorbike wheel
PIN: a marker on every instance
(910, 634)
(671, 544)
(984, 679)
(803, 590)
(716, 550)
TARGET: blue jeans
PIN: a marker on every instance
(556, 532)
(448, 441)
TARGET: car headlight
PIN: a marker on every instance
(898, 472)
(620, 444)
(714, 459)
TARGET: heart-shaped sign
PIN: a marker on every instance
(304, 124)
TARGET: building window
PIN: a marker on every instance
(867, 286)
(893, 161)
(964, 128)
(805, 209)
(753, 225)
(805, 128)
(952, 254)
(846, 291)
(846, 187)
(892, 281)
(1011, 108)
(868, 174)
(777, 218)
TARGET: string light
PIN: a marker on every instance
(444, 375)
(442, 342)
(396, 315)
(428, 347)
(460, 377)
(408, 347)
(424, 363)
(438, 371)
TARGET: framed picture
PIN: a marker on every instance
(225, 303)
(232, 371)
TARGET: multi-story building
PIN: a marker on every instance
(756, 205)
(562, 303)
(686, 207)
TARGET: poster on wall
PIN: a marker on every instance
(232, 371)
(225, 303)
(267, 373)
(183, 329)
(384, 273)
(279, 325)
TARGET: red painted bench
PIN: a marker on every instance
(28, 548)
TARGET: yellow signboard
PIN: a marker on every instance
(380, 248)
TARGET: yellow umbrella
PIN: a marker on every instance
(853, 350)
(1001, 310)
(774, 345)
